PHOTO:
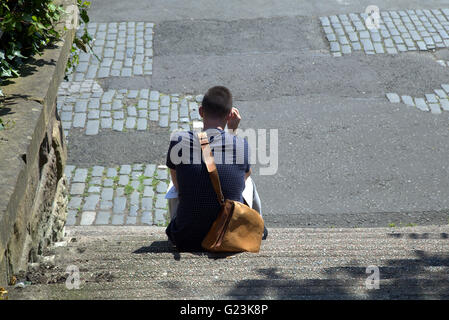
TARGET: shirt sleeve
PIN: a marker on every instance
(169, 163)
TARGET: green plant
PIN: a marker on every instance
(142, 178)
(89, 175)
(27, 27)
(392, 225)
(140, 188)
(128, 189)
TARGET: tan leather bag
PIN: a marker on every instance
(238, 228)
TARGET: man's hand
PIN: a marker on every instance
(234, 119)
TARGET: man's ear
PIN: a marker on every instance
(229, 115)
(201, 111)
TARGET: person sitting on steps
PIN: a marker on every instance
(192, 201)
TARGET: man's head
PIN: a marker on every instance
(217, 103)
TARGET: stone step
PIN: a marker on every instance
(138, 231)
(232, 273)
(138, 263)
(250, 289)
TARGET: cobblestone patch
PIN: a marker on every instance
(131, 194)
(435, 102)
(124, 49)
(399, 31)
(86, 106)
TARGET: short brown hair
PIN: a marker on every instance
(217, 102)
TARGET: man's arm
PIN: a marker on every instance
(233, 122)
(173, 178)
(247, 174)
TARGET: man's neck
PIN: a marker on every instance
(212, 124)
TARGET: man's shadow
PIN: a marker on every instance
(168, 247)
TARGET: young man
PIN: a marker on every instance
(196, 207)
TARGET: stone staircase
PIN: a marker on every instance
(132, 262)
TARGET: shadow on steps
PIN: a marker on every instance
(167, 247)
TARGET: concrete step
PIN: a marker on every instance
(138, 263)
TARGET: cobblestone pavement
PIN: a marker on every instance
(126, 194)
(85, 105)
(124, 49)
(399, 31)
(434, 102)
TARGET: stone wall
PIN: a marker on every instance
(33, 195)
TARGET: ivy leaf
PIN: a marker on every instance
(27, 18)
(84, 16)
(18, 54)
(7, 21)
(31, 29)
(2, 54)
(6, 73)
(80, 44)
(86, 37)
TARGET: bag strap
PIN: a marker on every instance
(210, 165)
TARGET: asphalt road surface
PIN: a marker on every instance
(347, 156)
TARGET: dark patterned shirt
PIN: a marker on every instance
(198, 205)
